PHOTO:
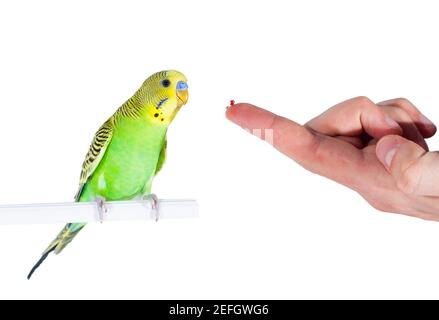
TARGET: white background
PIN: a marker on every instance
(268, 228)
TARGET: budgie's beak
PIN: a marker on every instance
(182, 92)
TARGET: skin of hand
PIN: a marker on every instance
(378, 150)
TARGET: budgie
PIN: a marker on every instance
(128, 150)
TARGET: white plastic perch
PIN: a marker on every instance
(45, 213)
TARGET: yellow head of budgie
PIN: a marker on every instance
(162, 95)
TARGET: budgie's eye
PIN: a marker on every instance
(166, 83)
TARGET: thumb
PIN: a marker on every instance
(414, 170)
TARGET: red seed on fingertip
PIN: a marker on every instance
(232, 102)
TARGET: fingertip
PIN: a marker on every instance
(229, 112)
(389, 140)
(388, 146)
(386, 149)
(432, 132)
(233, 111)
(249, 116)
(426, 126)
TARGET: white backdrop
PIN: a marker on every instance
(268, 229)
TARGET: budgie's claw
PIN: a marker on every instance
(154, 205)
(102, 208)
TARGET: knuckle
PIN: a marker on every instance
(274, 121)
(406, 105)
(364, 101)
(403, 102)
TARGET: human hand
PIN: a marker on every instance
(378, 150)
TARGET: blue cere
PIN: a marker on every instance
(162, 102)
(181, 85)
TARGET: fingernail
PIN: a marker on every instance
(424, 120)
(392, 123)
(389, 157)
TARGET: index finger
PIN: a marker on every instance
(327, 156)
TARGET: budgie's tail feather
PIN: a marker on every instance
(35, 267)
(61, 241)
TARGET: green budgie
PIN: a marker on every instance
(128, 150)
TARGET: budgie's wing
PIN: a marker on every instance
(94, 155)
(162, 157)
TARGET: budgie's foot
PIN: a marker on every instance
(102, 208)
(154, 205)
